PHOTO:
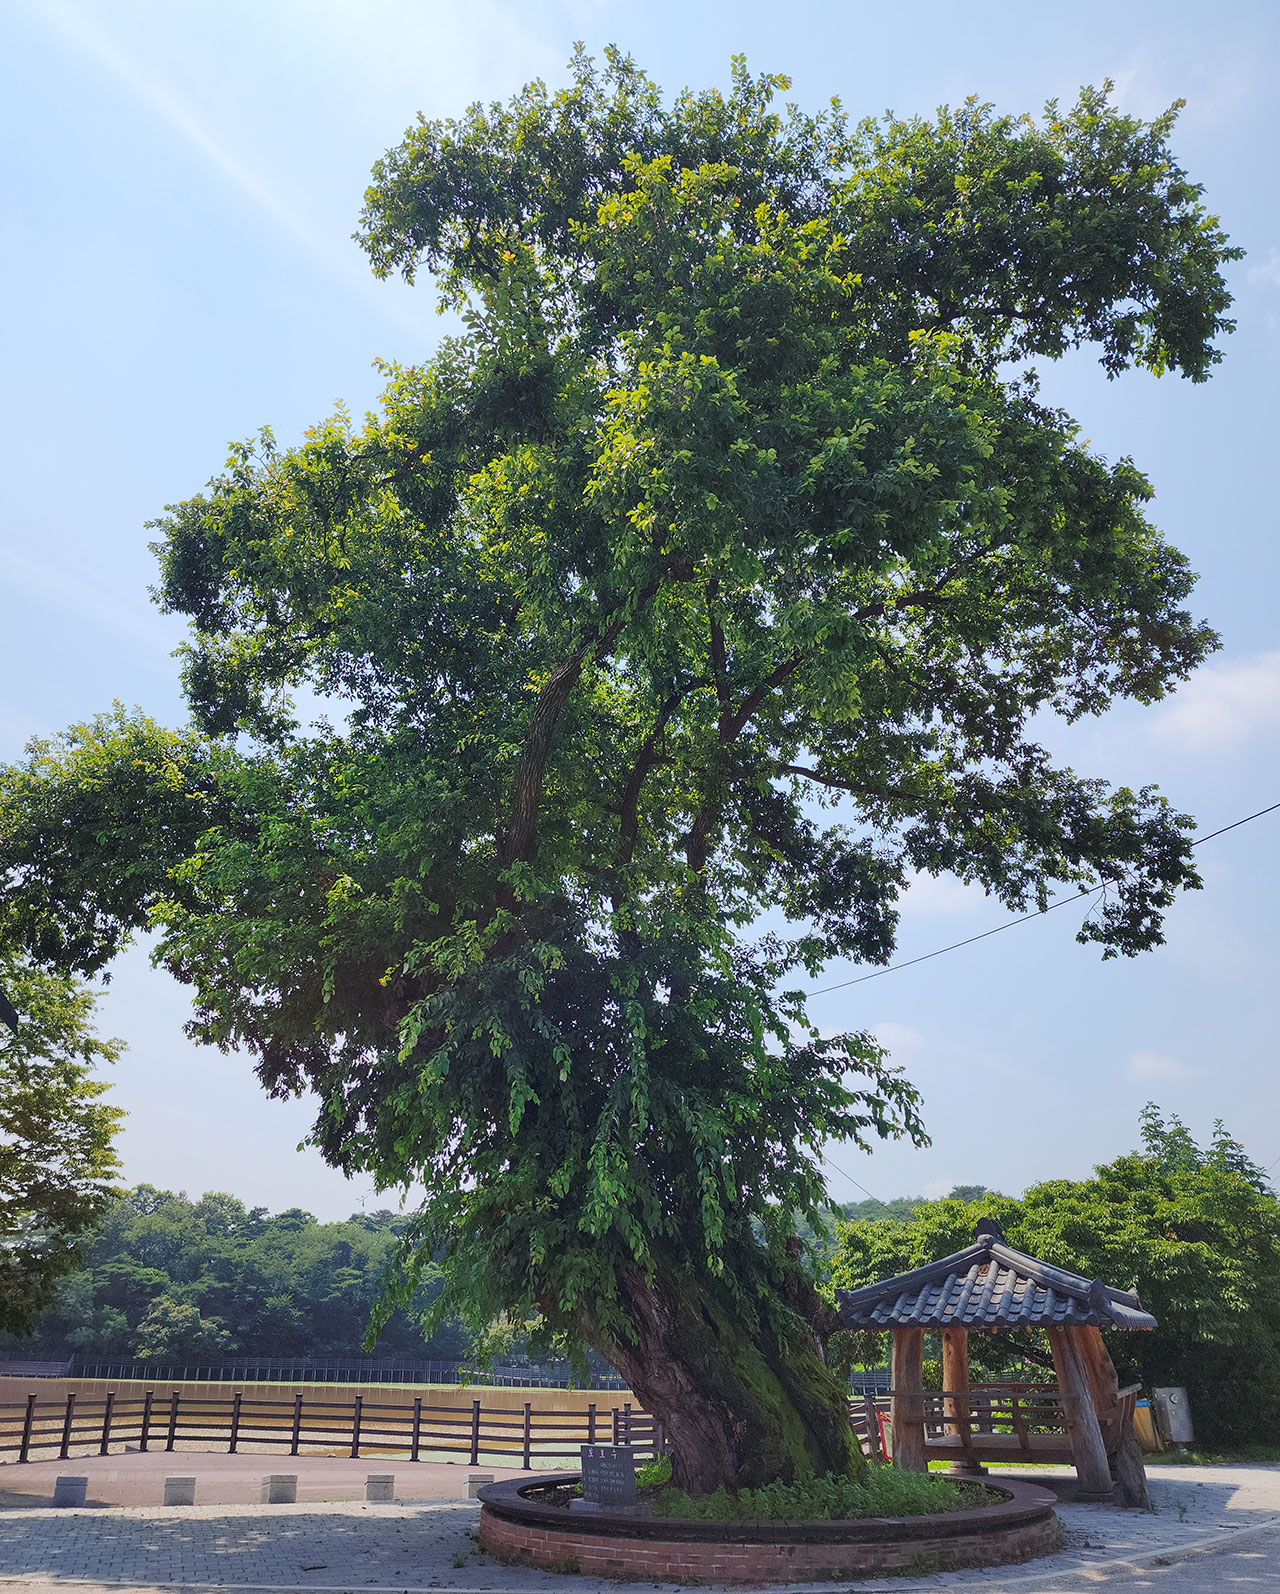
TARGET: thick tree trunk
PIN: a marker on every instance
(740, 1408)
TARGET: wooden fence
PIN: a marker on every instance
(513, 1436)
(41, 1427)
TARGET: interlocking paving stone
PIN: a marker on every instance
(407, 1546)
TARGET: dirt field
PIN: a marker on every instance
(459, 1396)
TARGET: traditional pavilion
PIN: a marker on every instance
(989, 1287)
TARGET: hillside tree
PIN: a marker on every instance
(57, 1136)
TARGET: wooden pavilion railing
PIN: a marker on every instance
(988, 1422)
(513, 1436)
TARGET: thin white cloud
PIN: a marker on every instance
(127, 616)
(447, 53)
(1268, 272)
(1215, 89)
(1223, 705)
(899, 1040)
(330, 254)
(941, 894)
(938, 1189)
(1152, 1065)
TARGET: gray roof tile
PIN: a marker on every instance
(989, 1284)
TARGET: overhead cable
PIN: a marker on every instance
(1009, 924)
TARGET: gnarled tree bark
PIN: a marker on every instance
(740, 1408)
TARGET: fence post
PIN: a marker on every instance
(356, 1416)
(66, 1427)
(173, 1420)
(297, 1425)
(626, 1423)
(873, 1427)
(417, 1428)
(104, 1447)
(617, 1426)
(26, 1427)
(235, 1423)
(146, 1419)
(528, 1433)
(591, 1422)
(475, 1433)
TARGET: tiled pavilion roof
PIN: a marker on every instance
(990, 1285)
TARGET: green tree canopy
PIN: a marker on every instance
(174, 1331)
(57, 1155)
(1195, 1231)
(719, 565)
(279, 1285)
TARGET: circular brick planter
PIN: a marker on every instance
(527, 1532)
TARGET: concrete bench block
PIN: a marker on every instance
(280, 1488)
(179, 1491)
(380, 1486)
(70, 1491)
(476, 1481)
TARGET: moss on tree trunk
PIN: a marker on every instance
(741, 1405)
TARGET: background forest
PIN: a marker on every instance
(169, 1279)
(1195, 1228)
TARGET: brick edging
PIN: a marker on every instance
(1026, 1503)
(671, 1549)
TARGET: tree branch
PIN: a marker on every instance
(647, 757)
(519, 842)
(731, 726)
(858, 791)
(719, 653)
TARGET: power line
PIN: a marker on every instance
(835, 1169)
(1062, 902)
(1200, 840)
(956, 945)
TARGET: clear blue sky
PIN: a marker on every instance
(180, 186)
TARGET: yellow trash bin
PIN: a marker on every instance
(1145, 1427)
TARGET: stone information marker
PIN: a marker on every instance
(608, 1479)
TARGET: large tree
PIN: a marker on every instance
(719, 565)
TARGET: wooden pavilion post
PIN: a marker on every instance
(955, 1383)
(1124, 1453)
(1087, 1449)
(907, 1375)
(1100, 1370)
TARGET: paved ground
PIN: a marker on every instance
(1214, 1528)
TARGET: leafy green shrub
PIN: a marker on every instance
(654, 1473)
(884, 1492)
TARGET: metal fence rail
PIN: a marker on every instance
(305, 1370)
(516, 1436)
